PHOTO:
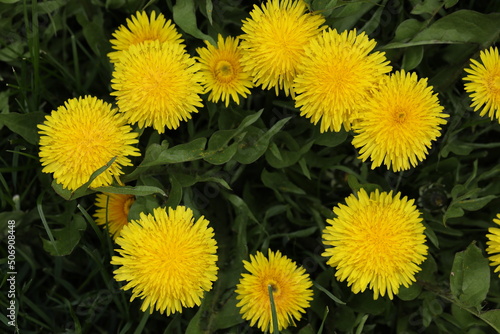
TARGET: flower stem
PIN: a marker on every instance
(274, 315)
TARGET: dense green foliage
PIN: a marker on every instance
(261, 174)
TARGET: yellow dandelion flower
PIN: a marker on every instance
(82, 136)
(157, 84)
(112, 211)
(401, 119)
(274, 39)
(141, 28)
(168, 260)
(493, 244)
(291, 291)
(223, 75)
(335, 76)
(484, 85)
(376, 241)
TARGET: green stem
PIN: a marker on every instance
(274, 328)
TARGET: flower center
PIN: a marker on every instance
(224, 71)
(376, 242)
(274, 286)
(339, 80)
(92, 145)
(400, 115)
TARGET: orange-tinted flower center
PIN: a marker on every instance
(224, 71)
(274, 286)
(400, 115)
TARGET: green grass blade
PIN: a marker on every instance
(143, 322)
(320, 330)
(359, 330)
(328, 293)
(92, 223)
(44, 221)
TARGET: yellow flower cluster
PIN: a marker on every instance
(335, 78)
(156, 84)
(169, 261)
(155, 81)
(166, 258)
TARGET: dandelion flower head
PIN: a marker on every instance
(157, 84)
(336, 74)
(274, 39)
(376, 241)
(484, 83)
(142, 28)
(167, 259)
(400, 120)
(112, 211)
(493, 244)
(82, 136)
(223, 74)
(291, 288)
